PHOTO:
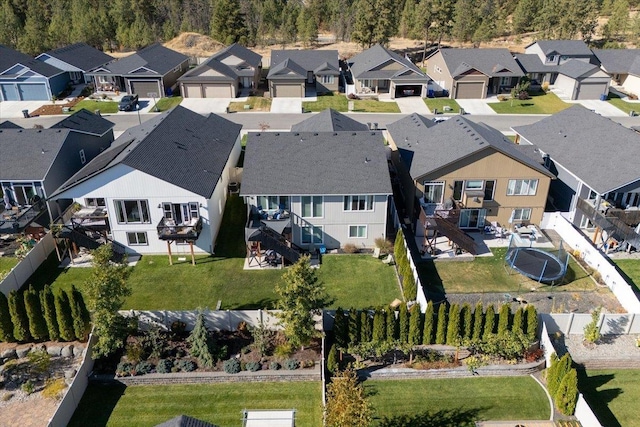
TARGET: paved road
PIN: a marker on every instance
(251, 121)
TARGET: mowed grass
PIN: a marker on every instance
(458, 402)
(255, 104)
(219, 404)
(6, 264)
(351, 280)
(165, 104)
(630, 268)
(339, 102)
(489, 274)
(440, 103)
(613, 394)
(105, 107)
(540, 103)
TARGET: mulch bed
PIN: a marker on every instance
(54, 109)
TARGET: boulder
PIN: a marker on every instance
(70, 373)
(67, 351)
(22, 352)
(54, 350)
(9, 354)
(77, 351)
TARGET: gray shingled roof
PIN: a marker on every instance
(185, 421)
(10, 57)
(86, 122)
(27, 154)
(247, 55)
(287, 69)
(329, 120)
(308, 60)
(228, 74)
(322, 163)
(430, 148)
(596, 149)
(410, 128)
(491, 62)
(154, 57)
(180, 147)
(564, 47)
(81, 55)
(364, 65)
(531, 63)
(9, 125)
(576, 68)
(618, 61)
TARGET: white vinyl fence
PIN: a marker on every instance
(574, 323)
(215, 320)
(594, 258)
(584, 414)
(420, 297)
(19, 274)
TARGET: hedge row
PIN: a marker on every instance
(562, 384)
(409, 287)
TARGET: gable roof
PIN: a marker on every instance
(27, 154)
(363, 65)
(321, 163)
(563, 47)
(185, 421)
(619, 61)
(428, 149)
(9, 125)
(239, 51)
(287, 69)
(180, 147)
(329, 120)
(10, 57)
(86, 122)
(410, 128)
(226, 72)
(156, 58)
(80, 55)
(307, 60)
(577, 138)
(575, 68)
(496, 62)
(531, 63)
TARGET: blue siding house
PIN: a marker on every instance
(23, 78)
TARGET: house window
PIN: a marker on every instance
(358, 231)
(328, 79)
(473, 185)
(366, 83)
(175, 70)
(488, 189)
(358, 203)
(273, 203)
(311, 234)
(522, 214)
(552, 59)
(83, 157)
(181, 213)
(311, 206)
(94, 202)
(132, 211)
(505, 81)
(457, 190)
(433, 192)
(522, 187)
(137, 239)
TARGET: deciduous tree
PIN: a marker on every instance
(347, 405)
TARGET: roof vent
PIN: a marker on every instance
(296, 134)
(366, 160)
(277, 134)
(315, 134)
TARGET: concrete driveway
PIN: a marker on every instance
(287, 105)
(601, 107)
(208, 105)
(412, 104)
(13, 109)
(476, 106)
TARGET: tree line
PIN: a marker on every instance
(39, 25)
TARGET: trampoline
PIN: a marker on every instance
(538, 264)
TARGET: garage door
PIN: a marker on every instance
(33, 92)
(217, 90)
(469, 90)
(192, 91)
(8, 92)
(287, 90)
(142, 89)
(591, 90)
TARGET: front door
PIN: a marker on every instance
(309, 77)
(472, 218)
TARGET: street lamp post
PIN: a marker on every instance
(138, 110)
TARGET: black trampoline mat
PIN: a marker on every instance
(531, 263)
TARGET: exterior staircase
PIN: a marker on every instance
(269, 239)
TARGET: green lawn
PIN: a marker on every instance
(541, 103)
(458, 402)
(631, 269)
(339, 102)
(440, 103)
(220, 404)
(623, 105)
(105, 107)
(165, 104)
(613, 395)
(6, 264)
(256, 104)
(488, 274)
(351, 280)
(372, 106)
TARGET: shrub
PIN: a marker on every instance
(415, 325)
(441, 330)
(409, 288)
(49, 309)
(283, 350)
(37, 325)
(545, 87)
(392, 325)
(478, 322)
(427, 331)
(333, 364)
(591, 329)
(507, 346)
(134, 352)
(54, 388)
(164, 366)
(566, 396)
(79, 314)
(354, 326)
(518, 318)
(231, 366)
(201, 345)
(39, 361)
(453, 328)
(403, 322)
(252, 366)
(398, 248)
(379, 326)
(274, 366)
(186, 365)
(489, 322)
(556, 372)
(532, 322)
(63, 316)
(383, 244)
(533, 355)
(503, 319)
(366, 333)
(291, 364)
(467, 321)
(308, 363)
(6, 325)
(28, 387)
(341, 328)
(178, 327)
(19, 317)
(124, 369)
(153, 342)
(144, 368)
(503, 98)
(350, 248)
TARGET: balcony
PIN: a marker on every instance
(16, 220)
(188, 232)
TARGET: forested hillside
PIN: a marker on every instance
(37, 25)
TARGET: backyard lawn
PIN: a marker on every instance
(6, 264)
(165, 104)
(255, 103)
(458, 402)
(339, 102)
(541, 103)
(613, 395)
(623, 105)
(631, 269)
(220, 404)
(440, 103)
(105, 107)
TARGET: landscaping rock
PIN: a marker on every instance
(54, 350)
(77, 351)
(9, 354)
(70, 373)
(22, 352)
(67, 351)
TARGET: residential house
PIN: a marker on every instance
(223, 75)
(380, 70)
(35, 162)
(469, 169)
(162, 182)
(327, 189)
(329, 120)
(293, 71)
(473, 73)
(622, 66)
(152, 70)
(23, 78)
(76, 59)
(592, 158)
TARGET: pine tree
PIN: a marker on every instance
(333, 364)
(63, 316)
(478, 322)
(47, 301)
(466, 20)
(392, 325)
(227, 22)
(403, 321)
(467, 321)
(503, 319)
(518, 325)
(6, 326)
(364, 26)
(200, 343)
(618, 23)
(441, 330)
(566, 395)
(399, 251)
(366, 333)
(427, 332)
(10, 26)
(407, 19)
(489, 322)
(341, 329)
(409, 288)
(379, 326)
(33, 39)
(79, 314)
(532, 322)
(415, 325)
(453, 328)
(354, 326)
(37, 324)
(19, 317)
